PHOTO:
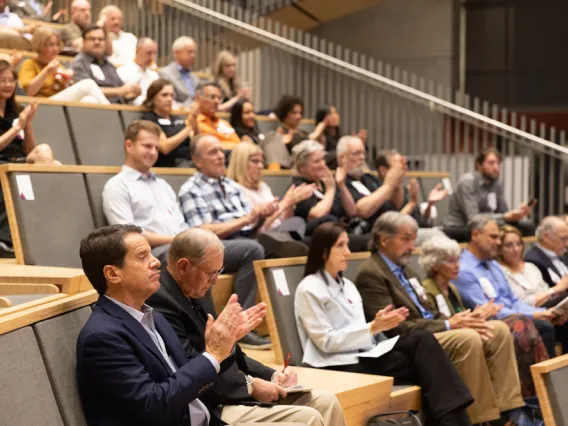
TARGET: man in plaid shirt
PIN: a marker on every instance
(212, 201)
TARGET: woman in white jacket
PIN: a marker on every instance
(333, 330)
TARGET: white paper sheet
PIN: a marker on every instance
(562, 306)
(379, 349)
(298, 389)
(281, 282)
(447, 183)
(25, 189)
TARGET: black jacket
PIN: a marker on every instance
(188, 318)
(543, 263)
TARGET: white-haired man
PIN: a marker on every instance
(194, 259)
(548, 253)
(178, 71)
(123, 43)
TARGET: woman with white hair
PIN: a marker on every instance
(331, 199)
(440, 259)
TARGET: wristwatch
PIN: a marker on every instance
(250, 384)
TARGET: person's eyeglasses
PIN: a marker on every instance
(212, 97)
(254, 161)
(357, 153)
(7, 82)
(211, 275)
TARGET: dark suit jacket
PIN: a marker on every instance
(543, 263)
(379, 288)
(123, 379)
(188, 319)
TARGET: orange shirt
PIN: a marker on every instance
(219, 128)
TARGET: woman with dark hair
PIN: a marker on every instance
(327, 132)
(333, 330)
(244, 122)
(177, 131)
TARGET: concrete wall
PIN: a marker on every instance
(420, 36)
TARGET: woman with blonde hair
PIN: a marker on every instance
(45, 76)
(225, 73)
(245, 168)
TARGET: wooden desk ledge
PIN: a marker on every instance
(69, 280)
(25, 288)
(32, 304)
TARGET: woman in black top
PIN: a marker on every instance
(17, 142)
(244, 123)
(177, 131)
(327, 132)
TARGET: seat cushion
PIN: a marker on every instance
(57, 338)
(26, 397)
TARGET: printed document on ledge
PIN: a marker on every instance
(379, 349)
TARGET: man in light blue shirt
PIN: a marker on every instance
(481, 279)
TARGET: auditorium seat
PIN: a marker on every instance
(50, 127)
(130, 116)
(98, 136)
(52, 225)
(279, 184)
(57, 338)
(26, 397)
(551, 384)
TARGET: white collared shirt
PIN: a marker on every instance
(10, 19)
(558, 264)
(331, 321)
(145, 201)
(123, 48)
(198, 412)
(132, 73)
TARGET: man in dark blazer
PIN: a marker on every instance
(548, 254)
(195, 259)
(131, 368)
(178, 72)
(384, 279)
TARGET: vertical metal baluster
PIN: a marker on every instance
(552, 161)
(561, 170)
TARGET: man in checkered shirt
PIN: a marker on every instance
(212, 201)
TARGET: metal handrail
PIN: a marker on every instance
(435, 103)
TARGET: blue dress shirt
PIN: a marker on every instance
(188, 81)
(469, 286)
(399, 273)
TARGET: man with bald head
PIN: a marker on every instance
(184, 50)
(548, 253)
(195, 259)
(123, 43)
(139, 70)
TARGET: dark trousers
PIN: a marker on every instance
(418, 359)
(548, 335)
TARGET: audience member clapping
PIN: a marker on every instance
(176, 130)
(245, 168)
(92, 64)
(17, 141)
(440, 259)
(45, 76)
(225, 74)
(333, 330)
(139, 71)
(123, 43)
(243, 120)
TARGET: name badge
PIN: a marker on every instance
(492, 201)
(553, 276)
(97, 72)
(225, 129)
(418, 288)
(488, 288)
(164, 121)
(261, 136)
(443, 306)
(361, 189)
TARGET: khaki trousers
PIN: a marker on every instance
(489, 369)
(316, 408)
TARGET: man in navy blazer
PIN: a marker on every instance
(548, 253)
(131, 367)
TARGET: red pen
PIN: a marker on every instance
(287, 361)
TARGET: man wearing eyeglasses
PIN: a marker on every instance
(92, 63)
(208, 98)
(139, 197)
(195, 260)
